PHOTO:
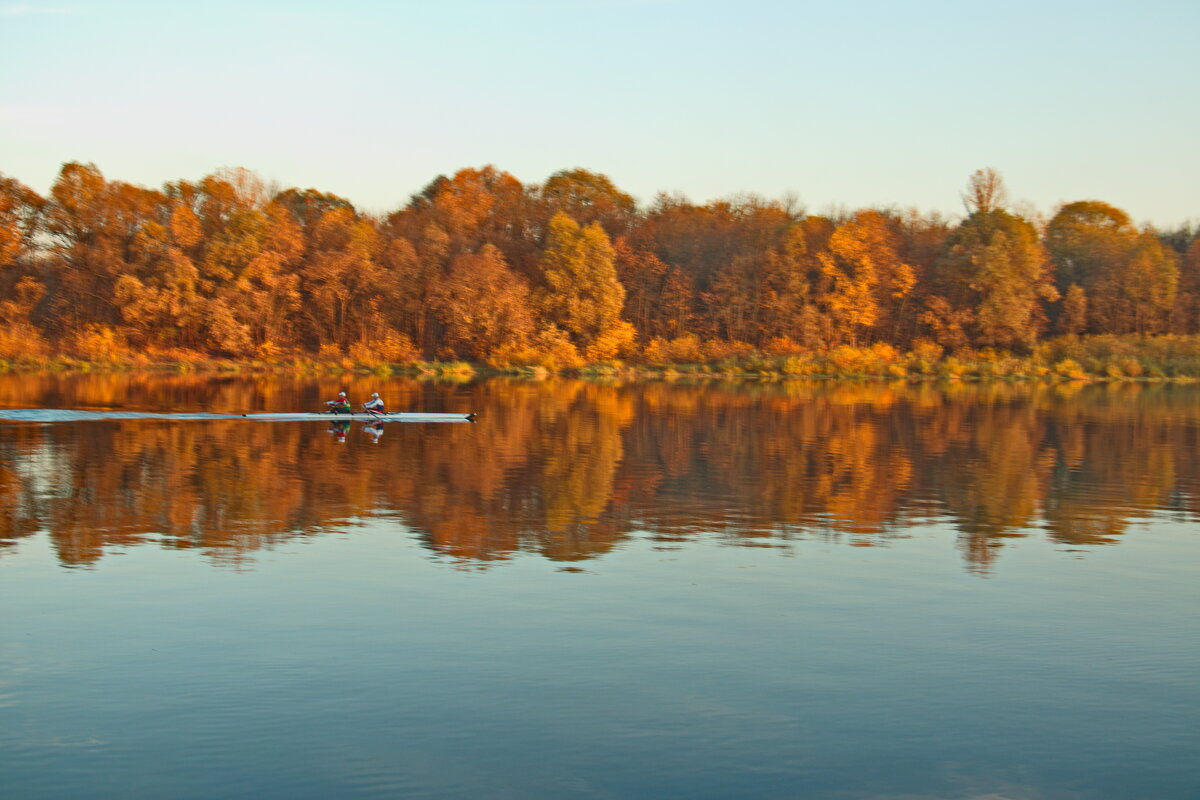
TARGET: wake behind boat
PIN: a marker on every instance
(75, 415)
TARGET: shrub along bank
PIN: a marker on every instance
(1167, 357)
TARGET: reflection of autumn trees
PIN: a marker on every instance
(226, 488)
(537, 474)
(766, 461)
(1120, 458)
(18, 487)
(991, 468)
(570, 469)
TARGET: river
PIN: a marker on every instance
(655, 589)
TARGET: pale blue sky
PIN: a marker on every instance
(849, 103)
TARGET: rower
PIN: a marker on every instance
(374, 404)
(339, 406)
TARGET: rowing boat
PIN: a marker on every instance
(359, 416)
(45, 415)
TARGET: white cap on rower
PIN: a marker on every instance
(374, 394)
(341, 394)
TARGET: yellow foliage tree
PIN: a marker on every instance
(580, 292)
(864, 276)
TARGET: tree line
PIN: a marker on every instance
(481, 267)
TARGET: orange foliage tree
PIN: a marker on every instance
(479, 266)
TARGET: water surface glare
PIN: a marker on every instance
(653, 590)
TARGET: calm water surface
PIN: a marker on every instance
(654, 590)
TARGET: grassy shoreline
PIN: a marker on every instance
(1101, 358)
(955, 372)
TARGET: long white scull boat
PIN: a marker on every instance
(359, 416)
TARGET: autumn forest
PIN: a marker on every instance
(479, 267)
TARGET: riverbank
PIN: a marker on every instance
(1096, 358)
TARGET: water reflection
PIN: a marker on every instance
(570, 469)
